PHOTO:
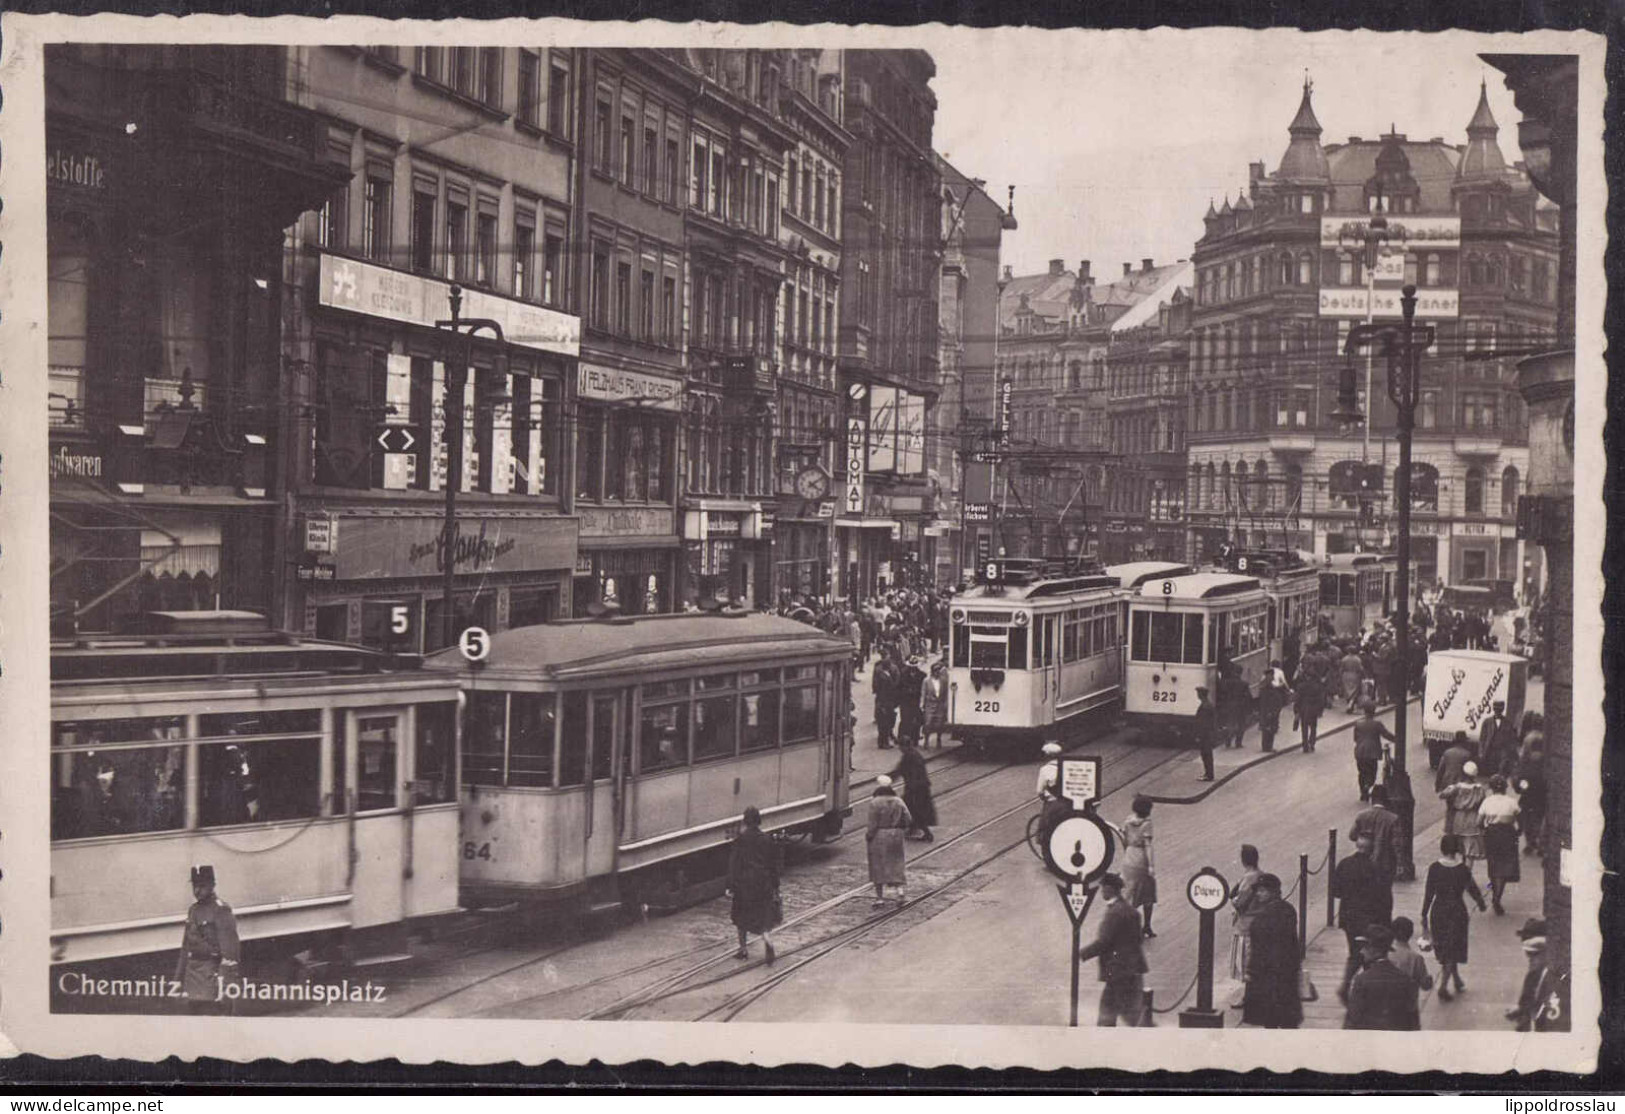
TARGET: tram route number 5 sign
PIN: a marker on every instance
(475, 644)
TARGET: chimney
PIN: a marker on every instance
(1145, 264)
(1353, 139)
(1057, 267)
(1083, 273)
(1128, 269)
(1255, 171)
(1008, 277)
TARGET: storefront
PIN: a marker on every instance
(729, 549)
(801, 547)
(377, 577)
(1483, 551)
(627, 557)
(867, 548)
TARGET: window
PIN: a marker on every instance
(330, 220)
(623, 298)
(673, 169)
(429, 62)
(536, 432)
(530, 79)
(636, 463)
(422, 231)
(375, 227)
(651, 161)
(485, 249)
(558, 99)
(800, 713)
(1509, 492)
(719, 182)
(376, 758)
(1433, 274)
(772, 207)
(524, 247)
(484, 729)
(1424, 487)
(626, 166)
(600, 287)
(646, 305)
(699, 171)
(1473, 491)
(104, 792)
(1475, 564)
(490, 77)
(1305, 266)
(662, 735)
(759, 724)
(715, 726)
(572, 738)
(601, 137)
(552, 270)
(668, 310)
(590, 454)
(456, 239)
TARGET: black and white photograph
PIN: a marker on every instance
(802, 544)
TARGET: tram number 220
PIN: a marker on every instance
(1161, 696)
(471, 850)
(986, 705)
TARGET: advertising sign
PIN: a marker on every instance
(1463, 687)
(857, 442)
(1411, 231)
(607, 384)
(415, 545)
(1351, 301)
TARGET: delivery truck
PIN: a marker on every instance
(1463, 687)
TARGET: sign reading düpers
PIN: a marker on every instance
(416, 545)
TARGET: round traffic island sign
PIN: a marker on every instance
(1207, 890)
(1079, 848)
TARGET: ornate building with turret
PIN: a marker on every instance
(1281, 278)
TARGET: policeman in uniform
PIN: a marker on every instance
(209, 948)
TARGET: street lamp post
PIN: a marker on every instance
(1400, 345)
(464, 329)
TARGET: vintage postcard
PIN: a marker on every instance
(551, 541)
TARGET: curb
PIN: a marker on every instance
(1213, 786)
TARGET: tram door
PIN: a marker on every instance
(380, 830)
(601, 821)
(1045, 656)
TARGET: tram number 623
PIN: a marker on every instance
(480, 851)
(1159, 696)
(987, 705)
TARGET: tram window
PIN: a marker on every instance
(759, 677)
(1140, 648)
(660, 690)
(572, 740)
(715, 682)
(960, 646)
(715, 721)
(300, 722)
(663, 737)
(1328, 590)
(603, 736)
(800, 672)
(484, 728)
(1193, 639)
(116, 792)
(246, 783)
(375, 762)
(434, 764)
(1071, 639)
(1167, 631)
(800, 713)
(1046, 635)
(1018, 647)
(986, 652)
(530, 739)
(759, 727)
(132, 730)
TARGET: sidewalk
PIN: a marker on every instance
(868, 760)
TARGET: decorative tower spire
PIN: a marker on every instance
(1482, 158)
(1304, 160)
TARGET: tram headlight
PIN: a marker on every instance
(957, 614)
(1021, 618)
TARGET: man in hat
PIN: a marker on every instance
(1203, 732)
(1533, 992)
(1382, 825)
(1364, 896)
(1369, 734)
(1122, 961)
(209, 945)
(1381, 995)
(1498, 742)
(1049, 787)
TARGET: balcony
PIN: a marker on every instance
(748, 373)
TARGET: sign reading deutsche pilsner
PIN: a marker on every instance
(1350, 301)
(369, 548)
(380, 292)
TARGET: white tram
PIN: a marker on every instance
(1031, 650)
(1182, 629)
(1356, 589)
(608, 762)
(319, 780)
(1293, 587)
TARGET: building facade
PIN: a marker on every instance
(458, 176)
(891, 226)
(171, 173)
(1280, 281)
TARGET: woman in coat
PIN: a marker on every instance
(753, 876)
(888, 821)
(1273, 960)
(916, 790)
(1444, 910)
(1498, 816)
(934, 703)
(1464, 799)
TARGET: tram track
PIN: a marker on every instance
(805, 954)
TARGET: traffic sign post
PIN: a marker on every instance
(1077, 898)
(1207, 891)
(1078, 851)
(1080, 781)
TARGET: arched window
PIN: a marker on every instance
(1294, 487)
(1493, 271)
(1209, 487)
(1244, 493)
(1475, 269)
(1288, 273)
(1265, 496)
(1343, 484)
(1306, 269)
(1224, 485)
(1424, 487)
(1433, 274)
(1345, 269)
(1258, 275)
(1473, 490)
(1509, 492)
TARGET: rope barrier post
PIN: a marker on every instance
(1331, 868)
(1303, 903)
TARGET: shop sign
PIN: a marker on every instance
(1478, 528)
(583, 564)
(1351, 301)
(349, 284)
(826, 508)
(320, 531)
(75, 168)
(722, 525)
(1411, 232)
(607, 384)
(65, 464)
(625, 522)
(315, 572)
(857, 444)
(978, 512)
(416, 545)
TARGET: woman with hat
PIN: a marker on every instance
(916, 789)
(910, 680)
(1139, 866)
(1444, 910)
(1272, 959)
(1498, 816)
(934, 703)
(1464, 799)
(888, 821)
(753, 877)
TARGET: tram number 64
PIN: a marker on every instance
(987, 705)
(481, 851)
(1159, 696)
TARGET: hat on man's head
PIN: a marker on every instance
(1052, 749)
(1378, 936)
(1201, 690)
(203, 875)
(1534, 926)
(1115, 881)
(883, 781)
(1271, 882)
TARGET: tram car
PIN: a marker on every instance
(318, 779)
(1293, 587)
(1182, 631)
(1356, 589)
(607, 762)
(1031, 650)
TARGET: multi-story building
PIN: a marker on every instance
(457, 174)
(973, 225)
(891, 227)
(811, 106)
(1280, 281)
(170, 175)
